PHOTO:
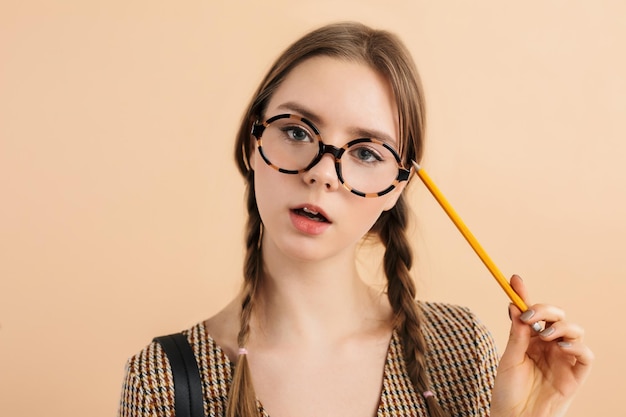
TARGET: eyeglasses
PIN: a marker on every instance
(291, 144)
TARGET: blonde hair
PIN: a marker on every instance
(385, 53)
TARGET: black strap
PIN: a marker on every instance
(187, 385)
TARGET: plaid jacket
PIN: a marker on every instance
(461, 360)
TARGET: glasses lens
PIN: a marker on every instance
(290, 144)
(368, 166)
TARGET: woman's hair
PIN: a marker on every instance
(385, 53)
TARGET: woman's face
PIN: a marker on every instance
(311, 216)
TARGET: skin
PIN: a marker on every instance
(343, 98)
(540, 373)
(318, 331)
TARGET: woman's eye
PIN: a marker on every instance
(297, 134)
(367, 155)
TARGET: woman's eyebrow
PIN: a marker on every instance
(355, 132)
(292, 106)
(373, 134)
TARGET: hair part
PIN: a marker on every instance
(385, 53)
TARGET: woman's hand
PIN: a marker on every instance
(539, 373)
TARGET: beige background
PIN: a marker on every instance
(121, 210)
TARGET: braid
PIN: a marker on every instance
(242, 398)
(401, 291)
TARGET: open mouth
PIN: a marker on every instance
(311, 214)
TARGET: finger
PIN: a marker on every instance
(519, 337)
(543, 312)
(582, 357)
(517, 283)
(518, 286)
(583, 354)
(564, 331)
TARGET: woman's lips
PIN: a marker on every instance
(312, 214)
(309, 219)
(312, 211)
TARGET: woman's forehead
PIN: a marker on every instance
(337, 92)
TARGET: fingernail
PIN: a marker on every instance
(536, 326)
(547, 332)
(564, 344)
(527, 315)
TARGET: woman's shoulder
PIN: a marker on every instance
(209, 340)
(461, 352)
(445, 313)
(153, 360)
(149, 382)
(444, 322)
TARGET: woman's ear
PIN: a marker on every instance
(251, 152)
(252, 145)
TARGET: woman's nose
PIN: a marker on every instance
(323, 173)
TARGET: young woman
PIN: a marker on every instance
(325, 148)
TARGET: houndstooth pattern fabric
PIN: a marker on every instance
(461, 361)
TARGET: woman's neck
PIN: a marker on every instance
(316, 301)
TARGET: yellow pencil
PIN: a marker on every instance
(428, 182)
